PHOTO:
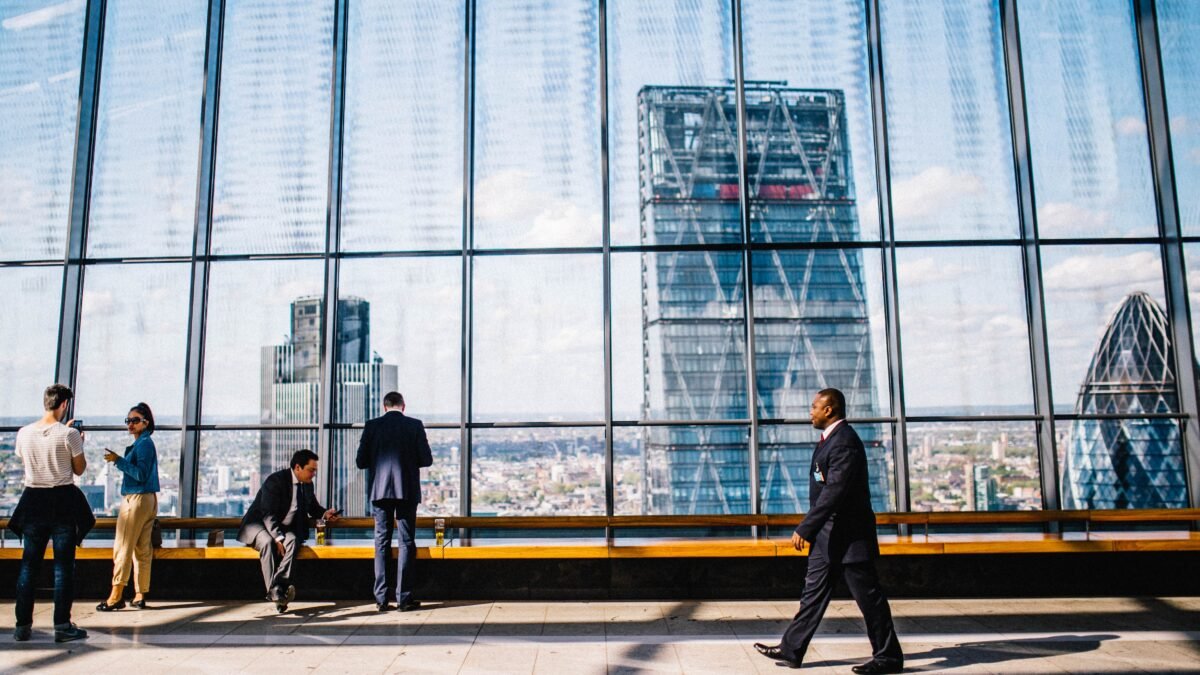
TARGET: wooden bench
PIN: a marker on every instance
(768, 535)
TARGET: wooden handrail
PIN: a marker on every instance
(976, 518)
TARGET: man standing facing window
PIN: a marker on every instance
(393, 449)
(51, 509)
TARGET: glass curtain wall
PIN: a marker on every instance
(606, 237)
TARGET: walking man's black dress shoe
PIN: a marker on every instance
(775, 653)
(383, 606)
(874, 667)
(409, 606)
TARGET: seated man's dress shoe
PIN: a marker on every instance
(775, 653)
(875, 667)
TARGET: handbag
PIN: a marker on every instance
(156, 534)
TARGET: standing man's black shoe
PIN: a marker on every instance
(383, 606)
(875, 667)
(410, 606)
(776, 653)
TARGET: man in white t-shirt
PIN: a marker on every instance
(48, 511)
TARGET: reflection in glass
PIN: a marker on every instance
(30, 298)
(101, 482)
(537, 472)
(537, 138)
(12, 473)
(1083, 296)
(273, 148)
(1179, 42)
(40, 46)
(143, 200)
(1087, 121)
(814, 163)
(974, 466)
(133, 341)
(681, 470)
(1127, 463)
(231, 474)
(439, 483)
(669, 45)
(409, 313)
(818, 322)
(537, 348)
(785, 460)
(263, 347)
(964, 329)
(948, 128)
(403, 155)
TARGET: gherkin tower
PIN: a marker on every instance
(1134, 463)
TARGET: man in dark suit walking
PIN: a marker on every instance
(393, 449)
(277, 523)
(840, 526)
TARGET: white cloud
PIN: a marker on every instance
(514, 199)
(1064, 218)
(1130, 126)
(932, 191)
(1091, 273)
(927, 271)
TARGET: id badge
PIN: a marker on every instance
(818, 476)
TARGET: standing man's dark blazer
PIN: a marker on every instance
(840, 522)
(393, 450)
(271, 506)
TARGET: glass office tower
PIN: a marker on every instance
(1125, 463)
(810, 305)
(291, 376)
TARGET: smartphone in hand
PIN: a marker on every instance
(77, 425)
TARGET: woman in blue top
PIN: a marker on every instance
(139, 507)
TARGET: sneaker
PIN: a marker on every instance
(22, 633)
(66, 632)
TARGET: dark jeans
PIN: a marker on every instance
(387, 512)
(37, 535)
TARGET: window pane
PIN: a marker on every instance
(965, 332)
(232, 472)
(681, 470)
(785, 457)
(133, 341)
(678, 332)
(537, 132)
(1121, 464)
(1179, 41)
(439, 483)
(538, 338)
(812, 169)
(948, 130)
(1087, 121)
(974, 466)
(273, 146)
(263, 347)
(1106, 326)
(537, 472)
(147, 129)
(41, 47)
(403, 157)
(655, 49)
(818, 322)
(12, 473)
(30, 297)
(101, 482)
(400, 328)
(1191, 253)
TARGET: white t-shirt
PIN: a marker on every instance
(46, 450)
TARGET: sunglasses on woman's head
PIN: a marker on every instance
(134, 420)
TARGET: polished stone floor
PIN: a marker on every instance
(1116, 635)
